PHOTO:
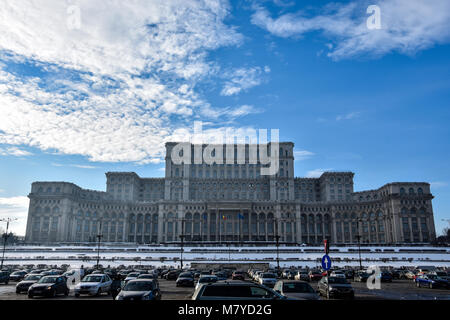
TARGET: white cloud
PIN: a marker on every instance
(243, 79)
(348, 116)
(80, 166)
(115, 89)
(316, 173)
(407, 26)
(438, 184)
(15, 207)
(301, 155)
(14, 151)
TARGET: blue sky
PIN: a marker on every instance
(88, 87)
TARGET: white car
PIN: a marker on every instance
(338, 274)
(268, 279)
(132, 276)
(93, 284)
(209, 278)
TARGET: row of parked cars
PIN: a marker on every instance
(295, 284)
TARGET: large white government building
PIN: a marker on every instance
(222, 203)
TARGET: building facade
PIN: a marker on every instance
(231, 202)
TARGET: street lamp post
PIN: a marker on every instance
(99, 238)
(182, 244)
(5, 237)
(277, 239)
(358, 236)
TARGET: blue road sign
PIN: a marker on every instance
(326, 262)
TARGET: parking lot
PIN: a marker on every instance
(397, 290)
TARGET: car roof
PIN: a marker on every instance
(141, 280)
(292, 281)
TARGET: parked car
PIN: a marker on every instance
(26, 283)
(173, 275)
(4, 277)
(302, 275)
(349, 274)
(185, 279)
(431, 281)
(235, 290)
(398, 274)
(132, 276)
(148, 276)
(17, 276)
(268, 279)
(296, 290)
(385, 276)
(335, 287)
(411, 275)
(285, 273)
(140, 289)
(338, 274)
(94, 284)
(238, 275)
(221, 275)
(314, 275)
(361, 276)
(291, 274)
(206, 279)
(49, 286)
(441, 274)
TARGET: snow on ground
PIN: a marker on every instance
(114, 255)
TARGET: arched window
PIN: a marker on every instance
(402, 190)
(404, 211)
(413, 211)
(420, 191)
(411, 191)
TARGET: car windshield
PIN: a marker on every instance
(146, 276)
(48, 280)
(139, 286)
(338, 280)
(432, 276)
(92, 279)
(297, 287)
(33, 277)
(268, 275)
(207, 279)
(16, 273)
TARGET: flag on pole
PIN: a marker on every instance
(240, 216)
(205, 216)
(224, 218)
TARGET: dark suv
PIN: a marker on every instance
(4, 277)
(234, 290)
